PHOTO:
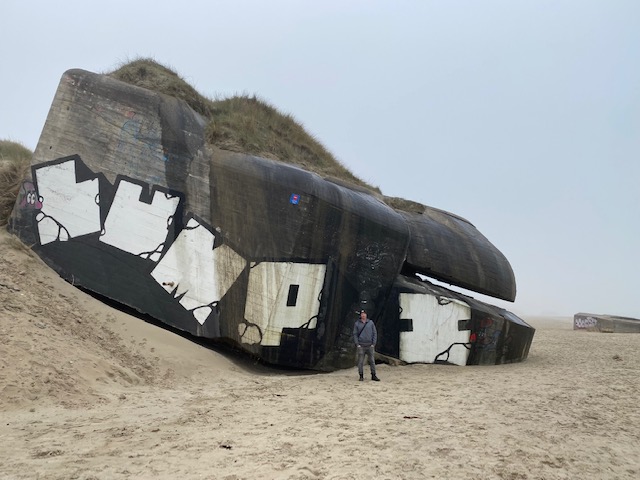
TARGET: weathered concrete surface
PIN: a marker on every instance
(132, 204)
(449, 248)
(605, 323)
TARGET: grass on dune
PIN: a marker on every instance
(15, 160)
(243, 123)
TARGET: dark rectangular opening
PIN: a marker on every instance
(406, 325)
(464, 324)
(292, 299)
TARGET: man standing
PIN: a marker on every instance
(365, 336)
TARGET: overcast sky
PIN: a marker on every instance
(521, 116)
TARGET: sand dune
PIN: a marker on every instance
(88, 392)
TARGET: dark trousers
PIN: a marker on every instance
(370, 351)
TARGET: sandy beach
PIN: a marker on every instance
(89, 392)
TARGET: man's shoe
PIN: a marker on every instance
(374, 378)
(361, 378)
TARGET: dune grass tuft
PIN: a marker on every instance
(149, 74)
(15, 160)
(243, 123)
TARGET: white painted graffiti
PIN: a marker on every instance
(69, 208)
(585, 322)
(194, 269)
(196, 272)
(281, 295)
(435, 327)
(137, 227)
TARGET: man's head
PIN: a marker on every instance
(363, 315)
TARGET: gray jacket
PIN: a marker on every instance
(365, 334)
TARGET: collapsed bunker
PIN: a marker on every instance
(126, 199)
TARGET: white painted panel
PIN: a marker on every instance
(137, 227)
(249, 334)
(195, 269)
(435, 328)
(228, 266)
(72, 205)
(267, 295)
(49, 230)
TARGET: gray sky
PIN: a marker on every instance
(521, 116)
